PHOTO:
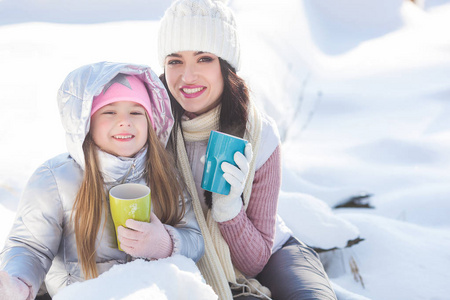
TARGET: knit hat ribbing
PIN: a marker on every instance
(199, 25)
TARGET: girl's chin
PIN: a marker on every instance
(123, 153)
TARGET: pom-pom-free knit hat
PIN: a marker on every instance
(199, 25)
(123, 88)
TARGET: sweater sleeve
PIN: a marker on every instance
(251, 233)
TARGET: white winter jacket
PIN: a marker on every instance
(41, 244)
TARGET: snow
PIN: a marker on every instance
(127, 282)
(359, 90)
(324, 229)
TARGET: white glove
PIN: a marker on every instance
(12, 288)
(226, 207)
(145, 240)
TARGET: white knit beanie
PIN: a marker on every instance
(199, 25)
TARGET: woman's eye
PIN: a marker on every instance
(206, 59)
(174, 62)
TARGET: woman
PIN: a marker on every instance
(199, 50)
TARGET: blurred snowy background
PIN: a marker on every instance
(360, 91)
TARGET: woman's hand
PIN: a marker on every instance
(145, 240)
(226, 207)
(12, 288)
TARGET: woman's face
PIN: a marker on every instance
(195, 80)
(120, 128)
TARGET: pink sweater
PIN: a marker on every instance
(250, 234)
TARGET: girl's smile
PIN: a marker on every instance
(124, 137)
(120, 128)
(195, 80)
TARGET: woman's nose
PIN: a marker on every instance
(189, 74)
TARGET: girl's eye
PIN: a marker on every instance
(137, 113)
(108, 112)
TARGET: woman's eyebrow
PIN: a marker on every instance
(195, 54)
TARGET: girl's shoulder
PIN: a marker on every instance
(61, 166)
(57, 178)
(61, 161)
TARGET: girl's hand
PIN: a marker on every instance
(12, 288)
(145, 240)
(226, 207)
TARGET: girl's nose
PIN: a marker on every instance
(124, 121)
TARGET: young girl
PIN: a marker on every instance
(117, 119)
(199, 50)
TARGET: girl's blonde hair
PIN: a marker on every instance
(90, 206)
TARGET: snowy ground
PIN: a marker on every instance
(360, 91)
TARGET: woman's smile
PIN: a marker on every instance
(195, 80)
(192, 91)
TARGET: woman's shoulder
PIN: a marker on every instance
(270, 139)
(269, 131)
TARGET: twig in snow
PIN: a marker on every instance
(355, 271)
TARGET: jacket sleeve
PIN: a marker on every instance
(36, 232)
(186, 236)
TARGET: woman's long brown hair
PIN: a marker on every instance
(90, 206)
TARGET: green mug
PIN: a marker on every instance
(129, 201)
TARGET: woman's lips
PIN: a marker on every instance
(192, 91)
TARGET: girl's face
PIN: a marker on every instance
(195, 80)
(120, 128)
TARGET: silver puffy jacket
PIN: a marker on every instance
(41, 244)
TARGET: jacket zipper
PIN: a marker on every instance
(132, 168)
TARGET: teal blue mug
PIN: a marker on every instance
(221, 147)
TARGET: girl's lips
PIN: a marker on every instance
(123, 137)
(192, 91)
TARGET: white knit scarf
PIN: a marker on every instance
(216, 265)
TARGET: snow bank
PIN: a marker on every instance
(313, 222)
(172, 278)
